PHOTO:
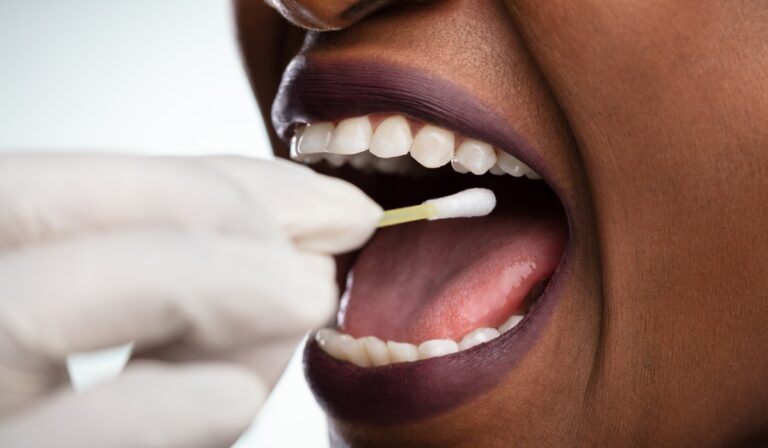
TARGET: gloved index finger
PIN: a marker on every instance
(53, 196)
(203, 293)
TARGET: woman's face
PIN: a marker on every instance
(649, 122)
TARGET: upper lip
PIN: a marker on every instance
(328, 90)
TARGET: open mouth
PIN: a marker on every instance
(432, 289)
(433, 313)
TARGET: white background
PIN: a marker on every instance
(147, 77)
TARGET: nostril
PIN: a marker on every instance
(327, 15)
(310, 14)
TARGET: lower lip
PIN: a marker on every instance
(404, 392)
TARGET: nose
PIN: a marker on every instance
(325, 15)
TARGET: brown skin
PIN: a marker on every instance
(653, 117)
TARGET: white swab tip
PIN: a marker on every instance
(464, 204)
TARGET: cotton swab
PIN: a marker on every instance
(464, 204)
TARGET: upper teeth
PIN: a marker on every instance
(371, 351)
(383, 148)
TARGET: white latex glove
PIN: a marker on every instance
(214, 267)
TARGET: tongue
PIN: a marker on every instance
(442, 279)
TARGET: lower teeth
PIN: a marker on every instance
(370, 351)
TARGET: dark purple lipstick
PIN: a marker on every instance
(314, 91)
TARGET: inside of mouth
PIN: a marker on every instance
(427, 289)
(442, 280)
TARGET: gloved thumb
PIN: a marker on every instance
(319, 213)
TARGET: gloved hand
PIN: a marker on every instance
(214, 267)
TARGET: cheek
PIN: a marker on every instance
(668, 104)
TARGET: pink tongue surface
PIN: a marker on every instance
(442, 279)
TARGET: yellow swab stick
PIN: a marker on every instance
(464, 204)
